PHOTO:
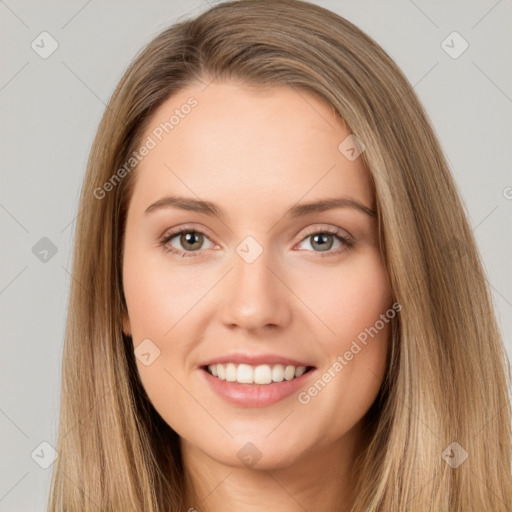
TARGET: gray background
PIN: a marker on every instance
(50, 109)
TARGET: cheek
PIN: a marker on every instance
(157, 296)
(348, 299)
(355, 339)
(157, 299)
(356, 345)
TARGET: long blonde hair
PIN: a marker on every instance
(448, 375)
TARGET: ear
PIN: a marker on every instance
(126, 325)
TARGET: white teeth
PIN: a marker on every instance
(261, 374)
(230, 372)
(300, 371)
(278, 373)
(289, 372)
(244, 374)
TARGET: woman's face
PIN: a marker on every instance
(258, 281)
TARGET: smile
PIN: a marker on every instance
(260, 374)
(254, 386)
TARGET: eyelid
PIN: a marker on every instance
(327, 229)
(186, 227)
(171, 233)
(347, 239)
(309, 231)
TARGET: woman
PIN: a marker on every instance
(277, 299)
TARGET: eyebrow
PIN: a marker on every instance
(299, 210)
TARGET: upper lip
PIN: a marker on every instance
(254, 360)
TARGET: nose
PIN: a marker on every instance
(255, 296)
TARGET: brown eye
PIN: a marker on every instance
(186, 241)
(191, 240)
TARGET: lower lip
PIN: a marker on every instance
(255, 395)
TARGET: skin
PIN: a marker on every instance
(255, 153)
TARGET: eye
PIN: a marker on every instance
(191, 240)
(324, 239)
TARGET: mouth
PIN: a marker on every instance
(262, 374)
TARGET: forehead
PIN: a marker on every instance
(249, 147)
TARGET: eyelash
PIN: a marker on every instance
(348, 242)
